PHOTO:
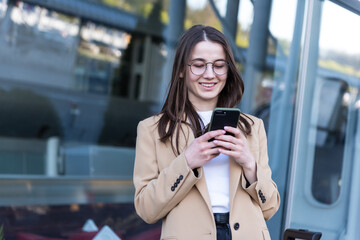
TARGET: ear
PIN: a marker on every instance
(181, 75)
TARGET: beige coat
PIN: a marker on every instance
(166, 188)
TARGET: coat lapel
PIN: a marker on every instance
(185, 140)
(202, 187)
(234, 179)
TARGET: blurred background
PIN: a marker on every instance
(76, 76)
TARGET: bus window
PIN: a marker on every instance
(99, 55)
(330, 116)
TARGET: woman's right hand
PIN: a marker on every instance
(201, 151)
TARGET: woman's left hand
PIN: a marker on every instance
(236, 147)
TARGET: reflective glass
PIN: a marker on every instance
(143, 8)
(275, 91)
(70, 93)
(325, 152)
(336, 89)
(201, 12)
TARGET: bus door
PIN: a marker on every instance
(325, 171)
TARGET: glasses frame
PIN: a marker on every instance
(206, 65)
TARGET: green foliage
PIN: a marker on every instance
(204, 16)
(141, 7)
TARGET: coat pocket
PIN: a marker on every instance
(266, 234)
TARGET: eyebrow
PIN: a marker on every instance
(201, 59)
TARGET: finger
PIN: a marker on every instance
(234, 131)
(225, 145)
(214, 152)
(212, 134)
(226, 138)
(212, 144)
(237, 132)
(227, 152)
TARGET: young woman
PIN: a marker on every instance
(203, 189)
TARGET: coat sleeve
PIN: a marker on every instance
(264, 190)
(158, 191)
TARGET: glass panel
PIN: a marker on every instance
(144, 8)
(322, 195)
(330, 123)
(200, 12)
(99, 56)
(28, 34)
(72, 92)
(275, 93)
(245, 19)
(336, 89)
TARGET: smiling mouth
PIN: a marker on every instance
(207, 84)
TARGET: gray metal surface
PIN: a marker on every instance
(92, 11)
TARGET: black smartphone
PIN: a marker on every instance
(222, 117)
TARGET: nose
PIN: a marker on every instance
(209, 72)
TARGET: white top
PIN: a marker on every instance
(217, 176)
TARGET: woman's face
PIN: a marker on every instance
(204, 89)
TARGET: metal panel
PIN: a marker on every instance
(99, 161)
(18, 191)
(98, 13)
(352, 5)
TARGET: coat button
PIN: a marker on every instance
(178, 181)
(172, 188)
(236, 226)
(181, 177)
(175, 185)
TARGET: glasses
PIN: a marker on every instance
(198, 67)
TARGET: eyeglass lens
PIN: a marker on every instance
(198, 67)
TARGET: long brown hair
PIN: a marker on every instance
(177, 108)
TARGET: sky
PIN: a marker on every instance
(339, 29)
